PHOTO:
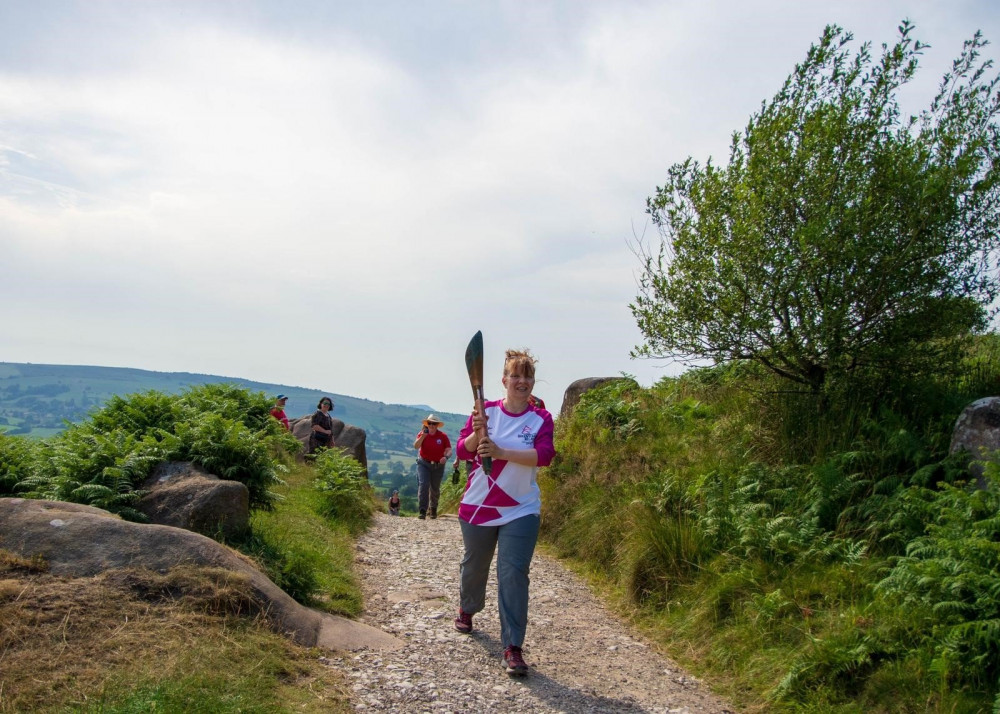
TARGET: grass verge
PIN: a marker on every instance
(309, 556)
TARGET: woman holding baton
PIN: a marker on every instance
(500, 512)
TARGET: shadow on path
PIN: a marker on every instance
(557, 695)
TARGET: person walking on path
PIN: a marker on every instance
(394, 503)
(278, 411)
(322, 426)
(435, 448)
(588, 662)
(500, 512)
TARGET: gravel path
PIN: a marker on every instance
(582, 659)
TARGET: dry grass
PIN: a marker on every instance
(124, 638)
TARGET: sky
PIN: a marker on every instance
(338, 195)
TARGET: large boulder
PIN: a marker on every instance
(82, 541)
(576, 390)
(348, 438)
(977, 431)
(180, 494)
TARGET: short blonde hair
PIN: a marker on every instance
(519, 360)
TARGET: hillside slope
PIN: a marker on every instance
(38, 399)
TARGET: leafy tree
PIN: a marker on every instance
(841, 239)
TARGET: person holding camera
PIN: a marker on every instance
(434, 447)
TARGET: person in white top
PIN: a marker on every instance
(500, 512)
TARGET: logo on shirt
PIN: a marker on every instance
(527, 436)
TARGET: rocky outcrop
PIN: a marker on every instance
(977, 431)
(180, 494)
(82, 541)
(350, 439)
(576, 390)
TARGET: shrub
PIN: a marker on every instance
(17, 462)
(252, 409)
(148, 412)
(949, 581)
(346, 493)
(232, 451)
(97, 468)
(613, 407)
(104, 460)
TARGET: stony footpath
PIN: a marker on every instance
(581, 658)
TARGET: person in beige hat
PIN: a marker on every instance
(434, 448)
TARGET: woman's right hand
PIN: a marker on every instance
(479, 421)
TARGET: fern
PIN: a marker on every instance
(346, 493)
(232, 451)
(17, 463)
(952, 575)
(104, 461)
(836, 661)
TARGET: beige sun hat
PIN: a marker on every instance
(431, 419)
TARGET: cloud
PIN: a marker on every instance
(338, 196)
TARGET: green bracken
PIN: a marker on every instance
(104, 460)
(854, 573)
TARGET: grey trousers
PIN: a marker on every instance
(516, 541)
(429, 477)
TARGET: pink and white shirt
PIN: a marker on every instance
(511, 491)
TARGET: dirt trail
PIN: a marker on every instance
(582, 659)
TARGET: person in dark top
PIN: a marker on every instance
(394, 503)
(322, 426)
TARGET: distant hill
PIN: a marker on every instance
(37, 400)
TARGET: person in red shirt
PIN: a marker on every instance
(278, 412)
(435, 448)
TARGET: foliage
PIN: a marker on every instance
(840, 239)
(232, 451)
(346, 493)
(949, 580)
(612, 407)
(139, 413)
(103, 461)
(305, 552)
(98, 468)
(17, 462)
(231, 402)
(756, 555)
